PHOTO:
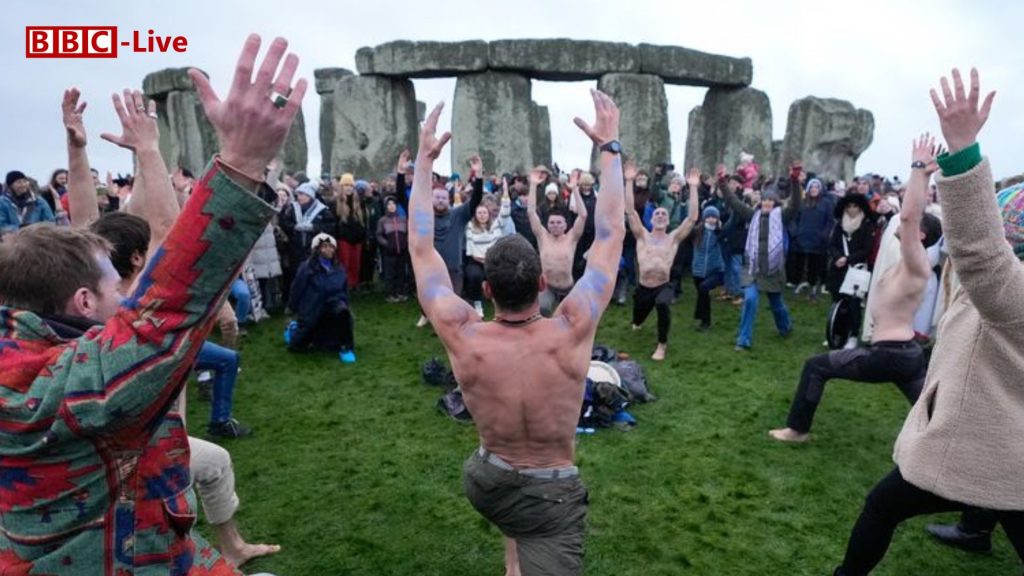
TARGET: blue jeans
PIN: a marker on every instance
(750, 298)
(224, 364)
(733, 268)
(243, 300)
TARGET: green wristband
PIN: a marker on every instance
(960, 162)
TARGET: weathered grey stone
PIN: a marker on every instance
(643, 117)
(827, 135)
(777, 158)
(421, 111)
(423, 59)
(540, 134)
(294, 154)
(695, 140)
(373, 119)
(678, 65)
(735, 120)
(325, 78)
(161, 82)
(563, 59)
(187, 138)
(491, 116)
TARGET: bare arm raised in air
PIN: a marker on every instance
(539, 232)
(580, 223)
(692, 208)
(583, 307)
(635, 225)
(82, 206)
(914, 256)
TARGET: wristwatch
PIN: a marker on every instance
(612, 146)
(918, 165)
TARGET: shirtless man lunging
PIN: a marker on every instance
(556, 243)
(655, 252)
(894, 355)
(522, 374)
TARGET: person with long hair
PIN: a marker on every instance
(481, 233)
(351, 228)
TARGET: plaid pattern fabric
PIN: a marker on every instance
(94, 464)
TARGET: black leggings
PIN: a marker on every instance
(816, 265)
(901, 363)
(646, 299)
(704, 286)
(894, 500)
(473, 272)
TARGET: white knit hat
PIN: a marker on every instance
(320, 239)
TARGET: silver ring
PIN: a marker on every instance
(140, 108)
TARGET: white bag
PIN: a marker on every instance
(856, 282)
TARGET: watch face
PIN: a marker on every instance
(613, 146)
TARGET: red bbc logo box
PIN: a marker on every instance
(71, 42)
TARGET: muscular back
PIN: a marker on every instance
(524, 386)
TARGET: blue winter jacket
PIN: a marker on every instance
(814, 227)
(707, 257)
(316, 289)
(11, 218)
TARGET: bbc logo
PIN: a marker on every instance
(71, 42)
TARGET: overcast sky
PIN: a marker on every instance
(881, 56)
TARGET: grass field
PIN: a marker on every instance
(353, 471)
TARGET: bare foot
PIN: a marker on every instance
(659, 352)
(789, 435)
(247, 552)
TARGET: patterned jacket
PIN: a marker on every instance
(94, 463)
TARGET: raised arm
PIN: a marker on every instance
(400, 183)
(138, 362)
(636, 226)
(692, 207)
(476, 167)
(82, 206)
(912, 252)
(583, 307)
(539, 232)
(988, 270)
(579, 224)
(153, 199)
(445, 310)
(740, 208)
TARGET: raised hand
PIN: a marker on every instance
(430, 144)
(476, 165)
(403, 159)
(537, 177)
(139, 131)
(72, 112)
(606, 122)
(629, 170)
(574, 178)
(926, 150)
(693, 177)
(959, 115)
(254, 119)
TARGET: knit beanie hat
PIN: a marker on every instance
(812, 182)
(347, 179)
(710, 212)
(770, 193)
(551, 188)
(1011, 205)
(13, 176)
(320, 239)
(307, 189)
(362, 186)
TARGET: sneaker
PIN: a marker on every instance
(230, 428)
(790, 285)
(347, 356)
(800, 287)
(289, 330)
(740, 348)
(422, 321)
(703, 327)
(205, 376)
(479, 307)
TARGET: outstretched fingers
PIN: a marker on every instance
(986, 107)
(207, 96)
(582, 124)
(958, 87)
(940, 108)
(283, 83)
(294, 102)
(430, 125)
(270, 63)
(946, 92)
(246, 64)
(119, 109)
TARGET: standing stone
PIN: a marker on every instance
(423, 59)
(374, 119)
(563, 59)
(326, 79)
(421, 111)
(828, 135)
(694, 141)
(678, 65)
(294, 155)
(735, 120)
(540, 135)
(777, 167)
(491, 116)
(643, 118)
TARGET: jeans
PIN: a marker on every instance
(899, 362)
(750, 298)
(704, 286)
(224, 364)
(243, 300)
(894, 500)
(733, 269)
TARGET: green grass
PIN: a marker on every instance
(353, 471)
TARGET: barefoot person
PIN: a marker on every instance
(655, 252)
(556, 243)
(894, 356)
(522, 374)
(961, 443)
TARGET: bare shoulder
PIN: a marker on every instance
(581, 310)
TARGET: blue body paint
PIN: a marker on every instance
(592, 286)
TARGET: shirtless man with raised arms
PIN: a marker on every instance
(894, 355)
(556, 244)
(522, 374)
(655, 252)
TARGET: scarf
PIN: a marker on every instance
(776, 258)
(851, 225)
(304, 219)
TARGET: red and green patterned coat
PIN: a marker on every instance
(94, 463)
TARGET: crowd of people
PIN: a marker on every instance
(146, 274)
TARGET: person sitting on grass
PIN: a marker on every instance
(319, 300)
(655, 252)
(894, 354)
